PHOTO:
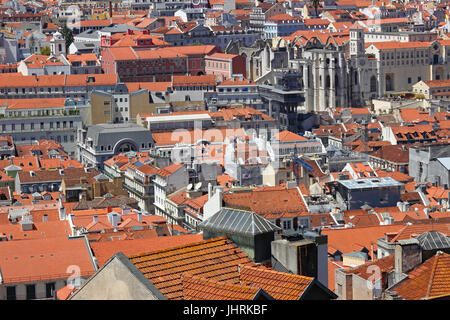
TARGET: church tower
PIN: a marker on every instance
(357, 42)
(58, 45)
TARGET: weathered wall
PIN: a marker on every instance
(114, 282)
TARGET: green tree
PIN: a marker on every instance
(45, 51)
(67, 35)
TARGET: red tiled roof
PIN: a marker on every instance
(65, 292)
(396, 175)
(430, 279)
(289, 136)
(167, 171)
(280, 285)
(203, 80)
(386, 264)
(392, 153)
(332, 267)
(265, 201)
(414, 115)
(216, 259)
(390, 45)
(196, 288)
(41, 230)
(351, 239)
(225, 179)
(104, 250)
(43, 259)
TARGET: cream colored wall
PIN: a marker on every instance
(269, 176)
(352, 261)
(113, 282)
(139, 103)
(98, 109)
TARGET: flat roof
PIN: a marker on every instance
(376, 182)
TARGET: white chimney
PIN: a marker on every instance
(61, 211)
(95, 218)
(114, 218)
(209, 190)
(139, 217)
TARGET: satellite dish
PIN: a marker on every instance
(189, 186)
(198, 185)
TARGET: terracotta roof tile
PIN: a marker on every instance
(43, 259)
(386, 264)
(280, 285)
(405, 232)
(430, 279)
(346, 240)
(196, 288)
(267, 201)
(215, 259)
(106, 249)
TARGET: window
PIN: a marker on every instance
(50, 290)
(11, 293)
(31, 291)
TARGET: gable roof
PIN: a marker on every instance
(430, 279)
(280, 285)
(385, 264)
(196, 288)
(351, 239)
(215, 259)
(267, 201)
(104, 250)
(43, 259)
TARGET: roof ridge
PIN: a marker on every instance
(179, 247)
(299, 276)
(433, 272)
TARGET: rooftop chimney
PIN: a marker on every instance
(209, 190)
(95, 218)
(408, 255)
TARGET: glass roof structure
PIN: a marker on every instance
(236, 221)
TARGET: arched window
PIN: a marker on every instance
(373, 84)
(389, 82)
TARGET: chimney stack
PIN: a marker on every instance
(95, 219)
(209, 190)
(110, 9)
(407, 255)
